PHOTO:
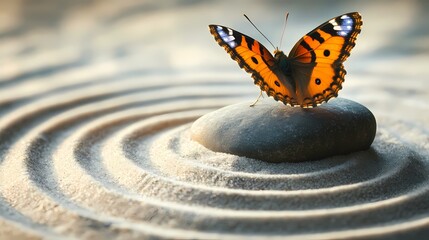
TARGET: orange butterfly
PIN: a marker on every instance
(311, 74)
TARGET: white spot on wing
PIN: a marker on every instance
(228, 38)
(222, 33)
(343, 26)
(232, 44)
(349, 22)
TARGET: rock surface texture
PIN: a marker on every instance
(273, 132)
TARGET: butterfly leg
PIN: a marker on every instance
(254, 103)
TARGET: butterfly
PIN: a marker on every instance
(311, 74)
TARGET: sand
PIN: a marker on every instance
(96, 102)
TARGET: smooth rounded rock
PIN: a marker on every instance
(273, 132)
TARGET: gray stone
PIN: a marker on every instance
(273, 132)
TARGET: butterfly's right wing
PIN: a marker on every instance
(317, 58)
(256, 60)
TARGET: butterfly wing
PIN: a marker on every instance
(317, 59)
(256, 60)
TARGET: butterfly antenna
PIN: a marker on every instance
(259, 30)
(284, 28)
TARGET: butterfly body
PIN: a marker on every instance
(313, 71)
(283, 62)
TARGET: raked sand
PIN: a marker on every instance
(96, 103)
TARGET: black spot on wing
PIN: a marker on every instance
(326, 53)
(329, 28)
(316, 36)
(318, 81)
(249, 42)
(237, 37)
(254, 60)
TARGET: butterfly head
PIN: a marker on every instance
(279, 55)
(282, 61)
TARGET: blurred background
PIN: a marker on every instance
(47, 44)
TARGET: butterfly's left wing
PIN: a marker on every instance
(256, 60)
(317, 58)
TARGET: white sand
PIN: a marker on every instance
(95, 113)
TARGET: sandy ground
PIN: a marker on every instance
(96, 101)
